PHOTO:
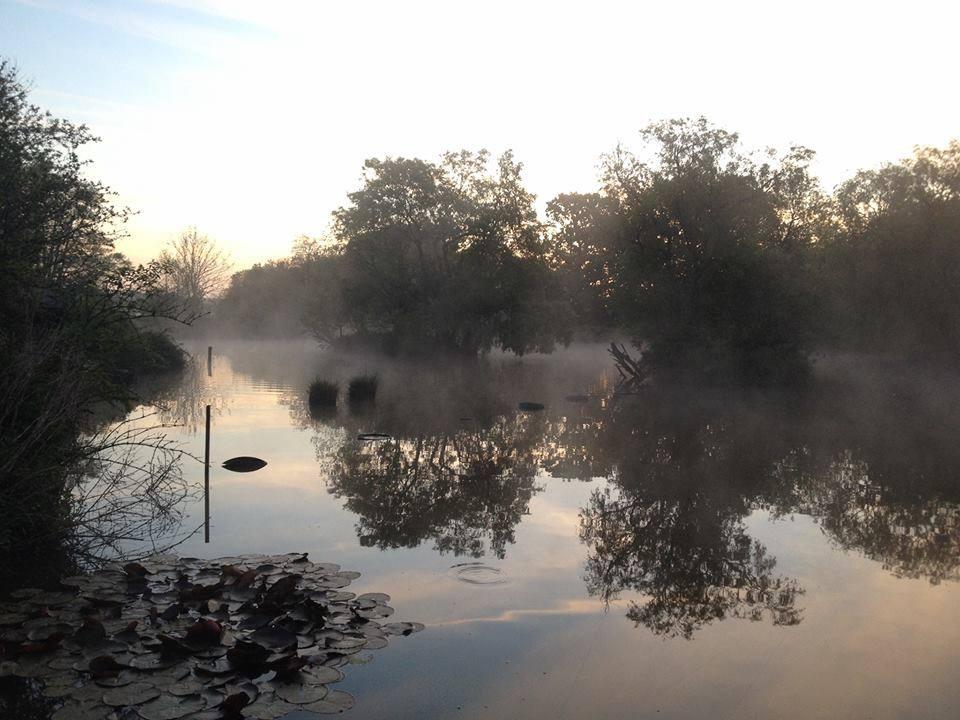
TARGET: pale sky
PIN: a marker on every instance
(252, 119)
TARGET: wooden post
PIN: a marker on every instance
(209, 360)
(206, 481)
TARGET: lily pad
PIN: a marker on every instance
(301, 694)
(403, 628)
(72, 710)
(182, 637)
(324, 675)
(274, 637)
(336, 701)
(244, 463)
(376, 597)
(171, 707)
(133, 694)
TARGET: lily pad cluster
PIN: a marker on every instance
(243, 637)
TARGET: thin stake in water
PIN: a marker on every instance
(206, 481)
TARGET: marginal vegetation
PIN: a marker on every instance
(323, 393)
(363, 388)
(252, 636)
(73, 338)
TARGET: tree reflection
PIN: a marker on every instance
(571, 449)
(671, 526)
(874, 464)
(912, 538)
(184, 404)
(466, 490)
(872, 461)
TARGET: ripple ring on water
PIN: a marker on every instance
(474, 573)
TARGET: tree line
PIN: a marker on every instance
(719, 263)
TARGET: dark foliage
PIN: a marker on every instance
(72, 310)
(891, 269)
(706, 256)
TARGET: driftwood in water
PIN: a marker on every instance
(633, 372)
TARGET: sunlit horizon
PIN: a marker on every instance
(251, 121)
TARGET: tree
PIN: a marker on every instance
(448, 256)
(196, 269)
(891, 270)
(71, 337)
(701, 254)
(584, 226)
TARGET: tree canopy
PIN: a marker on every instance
(448, 255)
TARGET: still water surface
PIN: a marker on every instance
(674, 554)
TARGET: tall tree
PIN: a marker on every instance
(196, 269)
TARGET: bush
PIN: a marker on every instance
(363, 388)
(160, 353)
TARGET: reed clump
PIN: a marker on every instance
(362, 388)
(323, 393)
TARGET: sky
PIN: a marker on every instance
(251, 120)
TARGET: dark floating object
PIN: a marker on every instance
(532, 406)
(110, 648)
(577, 398)
(244, 463)
(373, 436)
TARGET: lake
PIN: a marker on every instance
(675, 553)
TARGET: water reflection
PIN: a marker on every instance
(835, 508)
(670, 525)
(913, 533)
(466, 490)
(184, 404)
(680, 473)
(685, 469)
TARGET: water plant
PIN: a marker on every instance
(323, 393)
(363, 388)
(254, 636)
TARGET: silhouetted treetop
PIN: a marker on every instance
(448, 255)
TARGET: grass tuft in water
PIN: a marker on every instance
(323, 393)
(363, 388)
